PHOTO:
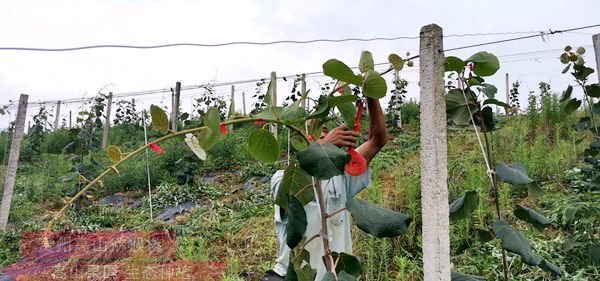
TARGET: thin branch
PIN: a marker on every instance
(324, 232)
(335, 212)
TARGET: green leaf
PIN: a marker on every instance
(263, 146)
(184, 116)
(296, 225)
(348, 111)
(536, 219)
(484, 235)
(474, 81)
(454, 64)
(340, 71)
(377, 221)
(550, 267)
(489, 122)
(515, 173)
(329, 276)
(366, 62)
(271, 113)
(596, 108)
(489, 90)
(456, 107)
(456, 276)
(298, 142)
(514, 242)
(566, 94)
(294, 180)
(566, 69)
(268, 94)
(160, 121)
(594, 254)
(323, 161)
(581, 72)
(464, 206)
(333, 101)
(114, 153)
(564, 59)
(374, 85)
(294, 112)
(322, 108)
(572, 106)
(396, 61)
(193, 143)
(304, 273)
(343, 276)
(496, 102)
(593, 90)
(346, 263)
(206, 140)
(484, 63)
(580, 50)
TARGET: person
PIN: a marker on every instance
(336, 190)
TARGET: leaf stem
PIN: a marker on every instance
(330, 264)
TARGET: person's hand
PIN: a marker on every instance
(340, 137)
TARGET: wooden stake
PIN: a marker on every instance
(434, 157)
(13, 161)
(107, 121)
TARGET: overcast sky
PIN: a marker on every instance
(62, 23)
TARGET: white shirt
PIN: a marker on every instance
(336, 190)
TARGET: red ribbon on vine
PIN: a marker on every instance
(156, 148)
(223, 128)
(259, 121)
(358, 164)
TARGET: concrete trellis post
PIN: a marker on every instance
(303, 89)
(507, 94)
(274, 99)
(57, 117)
(175, 106)
(70, 119)
(596, 39)
(13, 161)
(244, 102)
(434, 157)
(231, 103)
(107, 121)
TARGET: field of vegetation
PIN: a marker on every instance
(229, 206)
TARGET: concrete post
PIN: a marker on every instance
(13, 161)
(274, 99)
(70, 119)
(596, 39)
(107, 121)
(231, 104)
(303, 90)
(507, 93)
(434, 157)
(175, 107)
(244, 102)
(57, 117)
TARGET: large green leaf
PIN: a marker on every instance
(496, 102)
(294, 111)
(294, 180)
(464, 206)
(489, 90)
(484, 63)
(377, 221)
(593, 90)
(550, 267)
(342, 276)
(296, 225)
(346, 263)
(322, 108)
(339, 70)
(514, 173)
(374, 85)
(263, 146)
(297, 272)
(323, 161)
(160, 121)
(348, 111)
(333, 101)
(489, 122)
(594, 254)
(212, 120)
(536, 219)
(566, 94)
(456, 106)
(366, 62)
(456, 276)
(514, 242)
(396, 61)
(454, 64)
(572, 105)
(581, 72)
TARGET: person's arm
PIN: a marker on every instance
(377, 131)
